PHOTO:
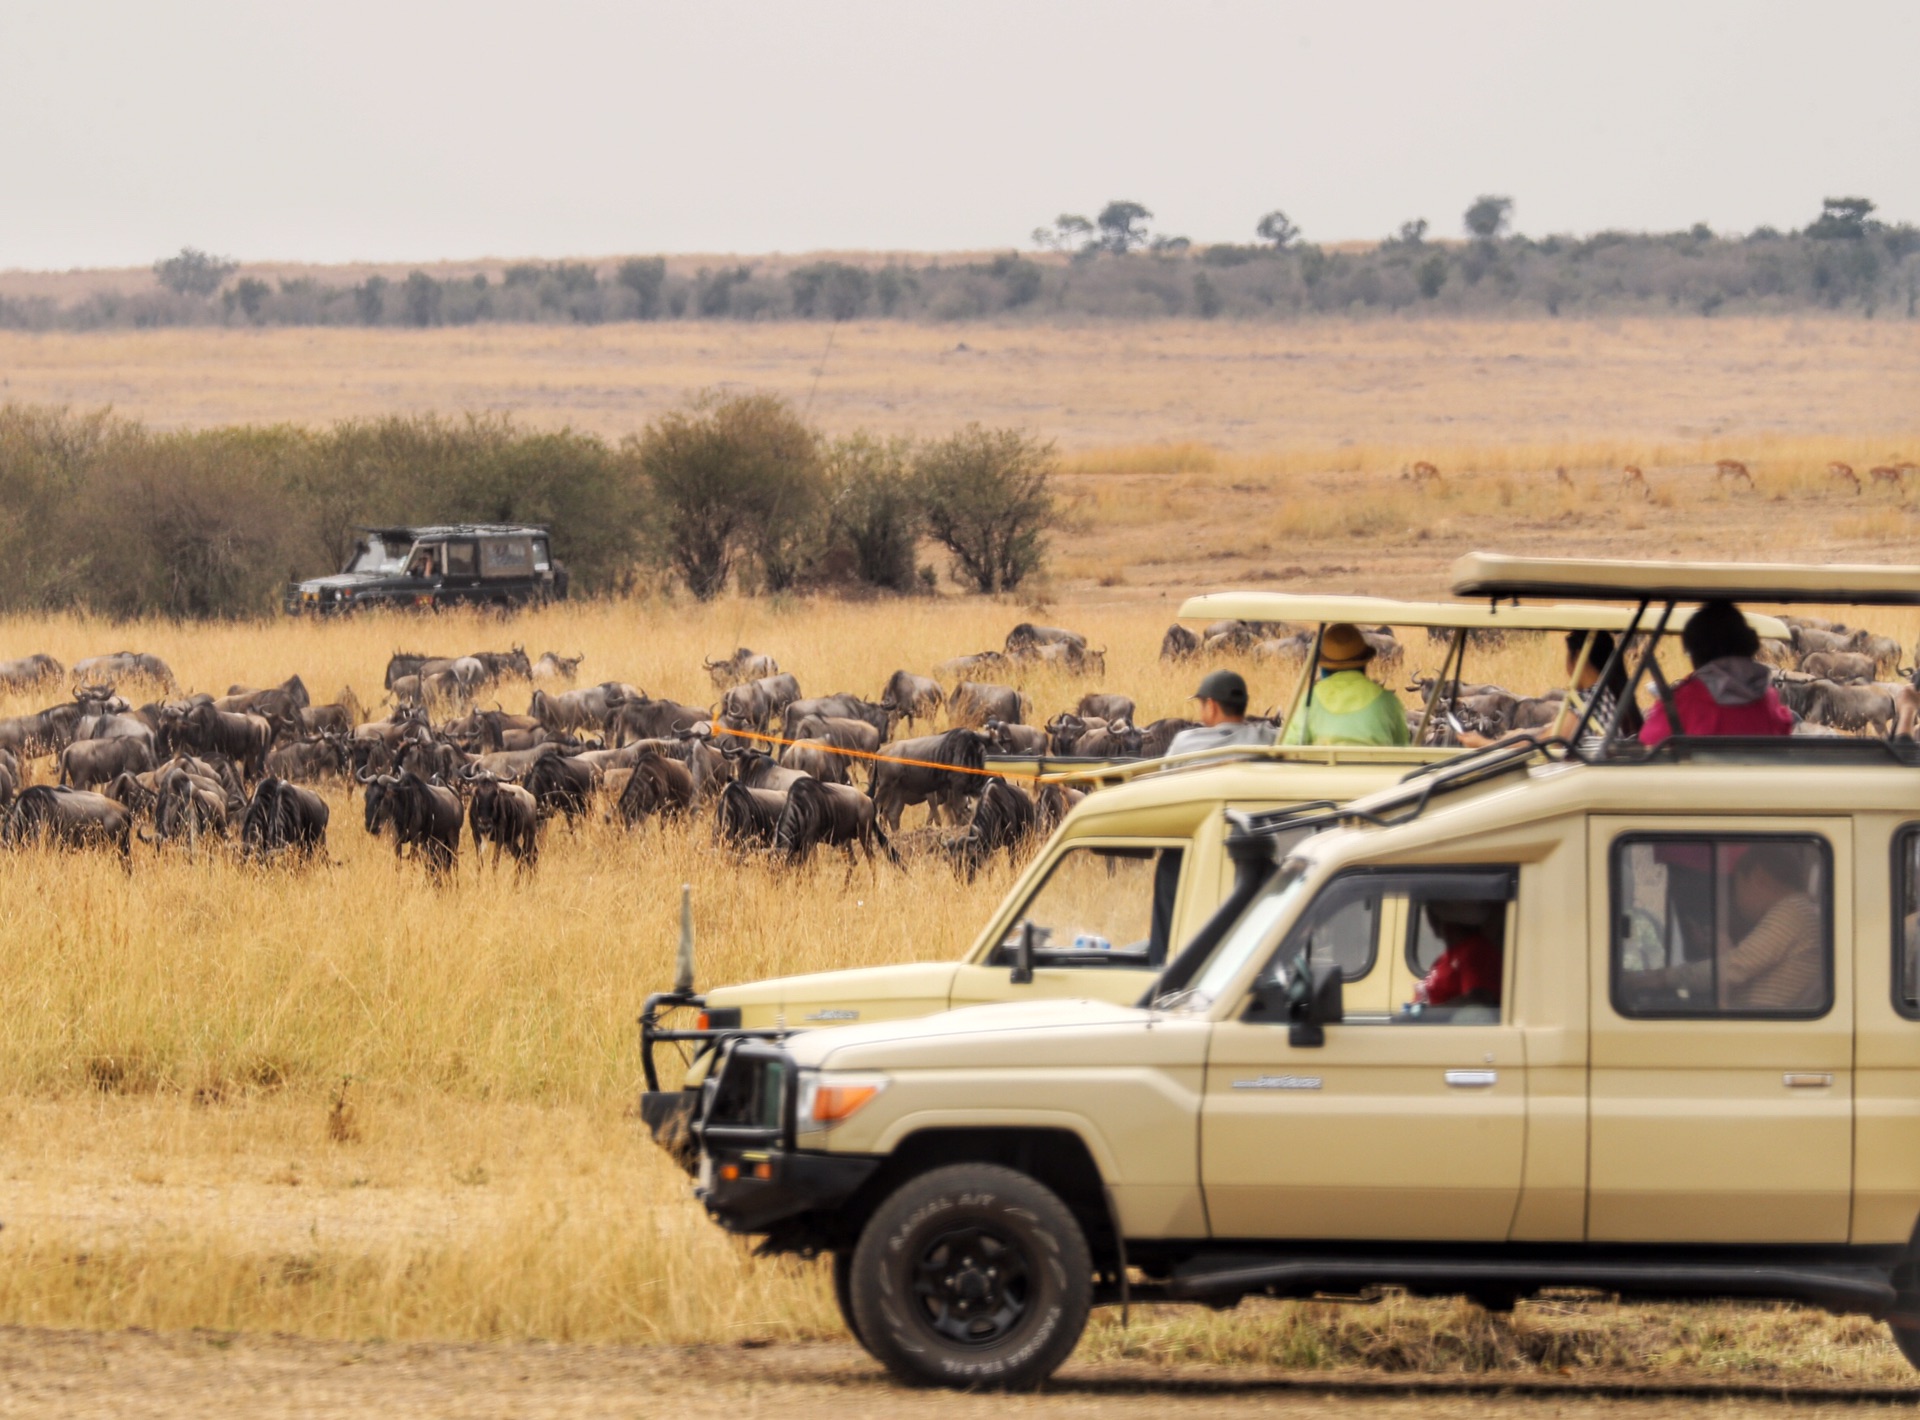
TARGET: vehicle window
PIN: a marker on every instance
(1906, 922)
(461, 561)
(540, 556)
(1341, 928)
(1722, 925)
(425, 560)
(1246, 937)
(506, 557)
(1456, 945)
(1101, 900)
(373, 555)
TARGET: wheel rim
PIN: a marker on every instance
(973, 1285)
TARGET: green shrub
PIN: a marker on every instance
(988, 499)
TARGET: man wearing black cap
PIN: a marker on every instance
(1223, 717)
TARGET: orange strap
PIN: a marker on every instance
(880, 758)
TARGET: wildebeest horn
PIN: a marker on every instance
(364, 776)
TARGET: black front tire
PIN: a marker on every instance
(843, 1290)
(973, 1277)
(1906, 1334)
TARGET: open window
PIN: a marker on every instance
(1722, 925)
(463, 559)
(1906, 922)
(1102, 905)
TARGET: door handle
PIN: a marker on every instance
(1810, 1080)
(1472, 1079)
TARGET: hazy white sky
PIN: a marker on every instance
(410, 131)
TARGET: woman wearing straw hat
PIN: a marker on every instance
(1345, 706)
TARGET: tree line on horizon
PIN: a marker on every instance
(731, 492)
(1116, 267)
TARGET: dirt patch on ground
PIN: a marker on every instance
(71, 1373)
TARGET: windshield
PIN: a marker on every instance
(373, 555)
(1248, 938)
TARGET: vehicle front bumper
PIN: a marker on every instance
(754, 1190)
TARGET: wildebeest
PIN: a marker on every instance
(839, 731)
(816, 757)
(243, 738)
(85, 763)
(1109, 739)
(1179, 644)
(746, 816)
(506, 816)
(1065, 656)
(1228, 637)
(44, 732)
(1840, 666)
(742, 665)
(1003, 738)
(975, 702)
(961, 667)
(658, 785)
(559, 784)
(284, 818)
(555, 667)
(126, 665)
(408, 663)
(1838, 707)
(590, 709)
(338, 718)
(425, 817)
(1103, 706)
(844, 706)
(304, 761)
(30, 671)
(756, 769)
(1004, 817)
(189, 808)
(1155, 737)
(912, 697)
(818, 814)
(1026, 636)
(746, 707)
(1884, 650)
(9, 778)
(1807, 638)
(642, 718)
(76, 818)
(897, 786)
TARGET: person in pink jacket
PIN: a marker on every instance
(1729, 692)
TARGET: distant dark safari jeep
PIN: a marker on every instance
(475, 564)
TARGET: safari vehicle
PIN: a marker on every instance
(1690, 1067)
(1134, 868)
(479, 564)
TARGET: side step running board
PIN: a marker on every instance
(1840, 1289)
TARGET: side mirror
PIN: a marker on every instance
(1022, 973)
(1309, 998)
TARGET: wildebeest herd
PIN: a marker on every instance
(772, 771)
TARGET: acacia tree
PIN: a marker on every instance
(1488, 217)
(731, 478)
(875, 511)
(1123, 226)
(988, 499)
(194, 272)
(1277, 230)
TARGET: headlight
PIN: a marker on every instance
(827, 1100)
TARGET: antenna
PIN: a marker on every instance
(683, 966)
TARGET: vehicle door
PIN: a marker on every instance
(1721, 1087)
(463, 563)
(1409, 1122)
(1104, 914)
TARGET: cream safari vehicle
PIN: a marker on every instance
(1689, 1066)
(1136, 867)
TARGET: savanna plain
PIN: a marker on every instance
(342, 1136)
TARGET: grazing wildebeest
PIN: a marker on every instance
(44, 732)
(1807, 638)
(30, 671)
(816, 757)
(896, 786)
(844, 706)
(746, 707)
(834, 815)
(913, 697)
(1290, 649)
(1228, 637)
(338, 718)
(559, 784)
(496, 666)
(188, 808)
(506, 816)
(243, 738)
(408, 663)
(658, 785)
(1102, 706)
(1884, 650)
(1179, 644)
(1065, 657)
(85, 763)
(9, 778)
(961, 667)
(1839, 666)
(77, 818)
(973, 703)
(1155, 738)
(1003, 738)
(1004, 816)
(1052, 803)
(555, 667)
(745, 816)
(126, 665)
(284, 818)
(1839, 707)
(781, 691)
(425, 817)
(1026, 636)
(742, 665)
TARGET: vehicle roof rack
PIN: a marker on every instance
(1498, 575)
(424, 530)
(1460, 615)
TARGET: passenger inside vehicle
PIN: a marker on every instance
(1468, 972)
(423, 563)
(1769, 953)
(1729, 692)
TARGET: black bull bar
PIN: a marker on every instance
(669, 1113)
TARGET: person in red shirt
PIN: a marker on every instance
(1729, 692)
(1468, 971)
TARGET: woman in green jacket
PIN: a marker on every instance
(1344, 706)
